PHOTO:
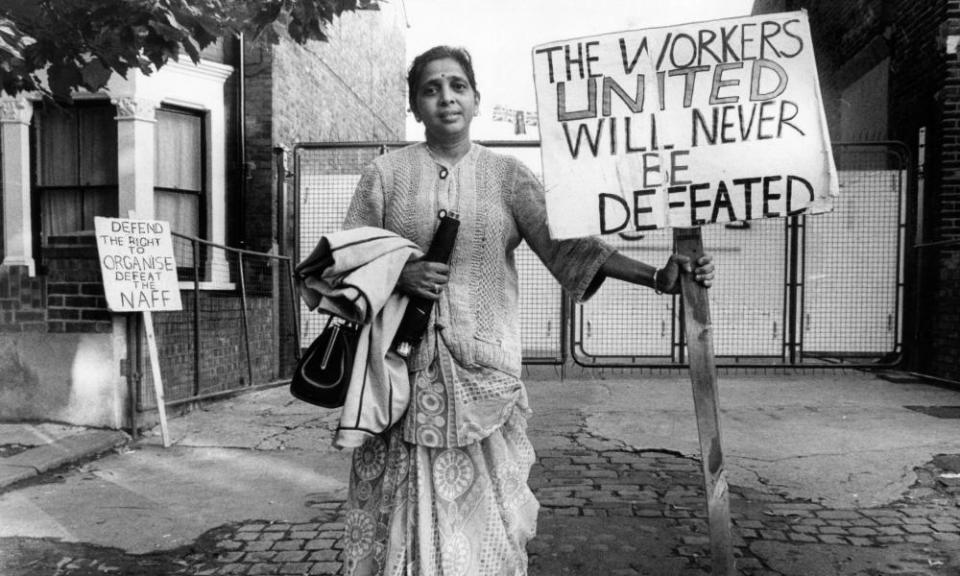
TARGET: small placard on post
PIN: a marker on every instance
(140, 275)
(138, 266)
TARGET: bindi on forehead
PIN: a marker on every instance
(443, 71)
(444, 77)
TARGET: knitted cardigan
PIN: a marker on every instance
(500, 203)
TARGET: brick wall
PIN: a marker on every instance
(942, 356)
(262, 327)
(851, 37)
(349, 89)
(353, 91)
(75, 298)
(223, 361)
(260, 218)
(68, 299)
(21, 301)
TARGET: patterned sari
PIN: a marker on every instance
(445, 492)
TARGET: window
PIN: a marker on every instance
(179, 193)
(75, 169)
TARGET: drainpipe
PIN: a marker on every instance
(242, 170)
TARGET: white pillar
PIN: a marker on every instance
(136, 123)
(15, 116)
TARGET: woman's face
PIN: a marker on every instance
(446, 103)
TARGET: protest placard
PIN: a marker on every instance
(683, 126)
(137, 263)
(140, 275)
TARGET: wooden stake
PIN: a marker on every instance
(157, 382)
(703, 374)
(155, 365)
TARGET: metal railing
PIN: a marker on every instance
(237, 329)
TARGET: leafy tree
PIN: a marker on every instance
(55, 46)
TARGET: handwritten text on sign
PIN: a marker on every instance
(683, 126)
(136, 259)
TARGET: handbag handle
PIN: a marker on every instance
(335, 331)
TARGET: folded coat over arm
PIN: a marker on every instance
(352, 274)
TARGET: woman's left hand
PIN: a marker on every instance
(668, 279)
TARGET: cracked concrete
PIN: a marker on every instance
(829, 560)
(843, 439)
(802, 437)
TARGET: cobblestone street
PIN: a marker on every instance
(606, 509)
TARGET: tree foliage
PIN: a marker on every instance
(56, 46)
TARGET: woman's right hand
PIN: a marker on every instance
(423, 279)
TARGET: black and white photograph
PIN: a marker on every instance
(462, 288)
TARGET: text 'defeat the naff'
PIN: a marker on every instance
(137, 263)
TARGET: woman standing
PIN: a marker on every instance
(445, 491)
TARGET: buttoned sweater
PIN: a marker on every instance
(500, 203)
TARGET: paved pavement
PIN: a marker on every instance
(29, 449)
(831, 474)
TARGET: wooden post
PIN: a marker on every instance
(155, 367)
(157, 382)
(703, 374)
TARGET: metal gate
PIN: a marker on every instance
(812, 291)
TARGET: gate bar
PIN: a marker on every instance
(793, 281)
(196, 318)
(243, 316)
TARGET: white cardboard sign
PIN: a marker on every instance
(138, 266)
(683, 126)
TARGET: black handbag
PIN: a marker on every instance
(323, 373)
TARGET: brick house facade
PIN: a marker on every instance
(362, 83)
(889, 70)
(63, 355)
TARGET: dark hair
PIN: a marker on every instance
(460, 55)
